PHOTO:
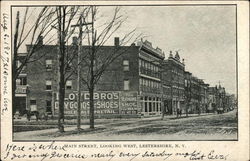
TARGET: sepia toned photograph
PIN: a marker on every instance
(124, 73)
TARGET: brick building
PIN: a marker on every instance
(173, 83)
(188, 94)
(195, 95)
(21, 86)
(138, 83)
(203, 97)
(212, 94)
(220, 99)
(131, 85)
(167, 87)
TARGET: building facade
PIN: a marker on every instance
(188, 93)
(173, 85)
(130, 85)
(140, 82)
(21, 86)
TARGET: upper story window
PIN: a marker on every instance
(48, 65)
(144, 82)
(126, 84)
(18, 81)
(147, 83)
(69, 65)
(186, 83)
(21, 81)
(143, 63)
(125, 65)
(48, 106)
(18, 64)
(48, 84)
(69, 84)
(32, 102)
(151, 67)
(141, 81)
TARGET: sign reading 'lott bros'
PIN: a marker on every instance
(105, 102)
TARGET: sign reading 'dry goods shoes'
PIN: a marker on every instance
(105, 102)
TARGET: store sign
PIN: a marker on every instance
(20, 89)
(128, 103)
(105, 102)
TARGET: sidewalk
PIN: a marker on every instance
(189, 115)
(105, 128)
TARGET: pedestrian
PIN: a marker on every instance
(178, 112)
(28, 115)
(37, 115)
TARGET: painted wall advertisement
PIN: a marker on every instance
(105, 102)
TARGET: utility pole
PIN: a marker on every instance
(80, 25)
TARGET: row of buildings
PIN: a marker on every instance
(140, 82)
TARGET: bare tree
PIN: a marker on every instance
(31, 34)
(94, 61)
(65, 17)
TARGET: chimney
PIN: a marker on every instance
(117, 41)
(74, 40)
(170, 55)
(40, 40)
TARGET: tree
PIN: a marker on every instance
(30, 33)
(65, 17)
(94, 61)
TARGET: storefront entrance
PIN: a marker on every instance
(21, 105)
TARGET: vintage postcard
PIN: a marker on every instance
(116, 80)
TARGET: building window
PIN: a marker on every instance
(32, 102)
(48, 65)
(141, 82)
(18, 63)
(186, 83)
(125, 65)
(48, 84)
(69, 84)
(126, 84)
(69, 65)
(48, 106)
(150, 105)
(18, 81)
(154, 107)
(21, 81)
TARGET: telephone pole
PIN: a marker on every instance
(80, 26)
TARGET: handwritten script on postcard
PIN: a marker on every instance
(51, 151)
(5, 61)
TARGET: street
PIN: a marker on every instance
(203, 127)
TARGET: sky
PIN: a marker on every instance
(205, 37)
